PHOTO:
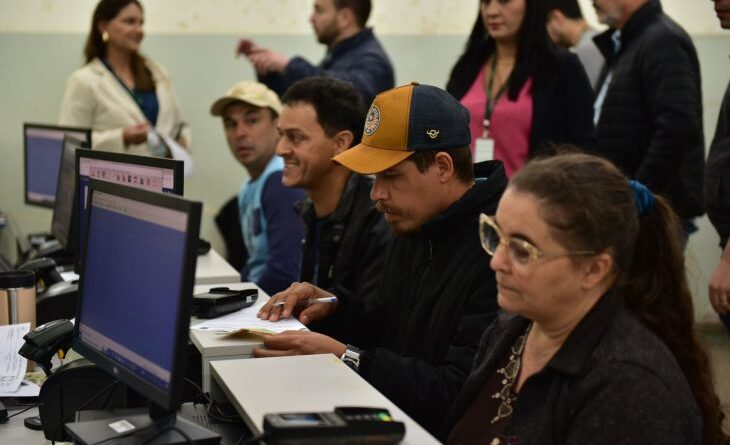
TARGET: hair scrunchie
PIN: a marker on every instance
(643, 197)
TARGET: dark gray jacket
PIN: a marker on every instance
(717, 175)
(359, 60)
(612, 382)
(651, 120)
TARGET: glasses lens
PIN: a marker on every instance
(489, 237)
(519, 252)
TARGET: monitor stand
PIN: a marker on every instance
(97, 426)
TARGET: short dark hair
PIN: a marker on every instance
(338, 104)
(569, 8)
(463, 166)
(361, 9)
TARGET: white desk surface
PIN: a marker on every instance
(213, 268)
(213, 346)
(302, 384)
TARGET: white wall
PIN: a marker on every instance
(390, 17)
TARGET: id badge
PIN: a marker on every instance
(484, 150)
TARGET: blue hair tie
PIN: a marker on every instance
(643, 197)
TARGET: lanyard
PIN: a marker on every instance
(136, 97)
(491, 100)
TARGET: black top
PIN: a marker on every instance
(612, 382)
(717, 175)
(436, 296)
(562, 104)
(349, 252)
(651, 120)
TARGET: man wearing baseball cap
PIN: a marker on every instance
(415, 342)
(271, 229)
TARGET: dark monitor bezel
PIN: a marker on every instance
(26, 126)
(70, 224)
(167, 400)
(147, 161)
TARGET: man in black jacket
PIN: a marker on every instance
(354, 54)
(344, 235)
(649, 105)
(416, 341)
(717, 191)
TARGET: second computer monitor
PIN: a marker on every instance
(63, 207)
(43, 148)
(144, 172)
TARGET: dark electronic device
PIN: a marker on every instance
(346, 425)
(203, 246)
(57, 301)
(45, 272)
(45, 340)
(143, 172)
(139, 260)
(3, 413)
(222, 300)
(42, 149)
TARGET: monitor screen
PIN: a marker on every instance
(135, 290)
(43, 148)
(145, 172)
(63, 207)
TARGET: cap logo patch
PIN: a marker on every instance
(372, 120)
(433, 134)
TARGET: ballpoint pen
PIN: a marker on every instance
(331, 299)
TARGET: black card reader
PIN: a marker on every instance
(222, 300)
(346, 425)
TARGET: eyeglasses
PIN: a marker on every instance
(521, 253)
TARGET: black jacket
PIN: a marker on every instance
(352, 248)
(562, 104)
(612, 382)
(651, 120)
(717, 175)
(437, 295)
(359, 60)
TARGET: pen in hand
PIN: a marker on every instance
(332, 299)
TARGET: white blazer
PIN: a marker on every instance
(95, 99)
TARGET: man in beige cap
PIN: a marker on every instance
(271, 230)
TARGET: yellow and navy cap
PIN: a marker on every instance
(405, 120)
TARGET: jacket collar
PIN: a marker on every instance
(643, 16)
(491, 180)
(305, 207)
(350, 42)
(577, 350)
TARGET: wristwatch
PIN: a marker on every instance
(351, 357)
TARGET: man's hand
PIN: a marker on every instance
(245, 47)
(295, 300)
(299, 343)
(136, 134)
(266, 61)
(720, 285)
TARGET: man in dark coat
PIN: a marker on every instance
(354, 54)
(416, 340)
(649, 104)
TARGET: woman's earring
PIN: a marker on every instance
(105, 36)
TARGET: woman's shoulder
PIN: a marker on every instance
(158, 71)
(89, 71)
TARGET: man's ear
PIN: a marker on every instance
(342, 141)
(345, 17)
(444, 166)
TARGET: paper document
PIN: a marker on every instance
(26, 389)
(246, 319)
(12, 364)
(180, 153)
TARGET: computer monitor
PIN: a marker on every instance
(135, 292)
(42, 149)
(63, 206)
(145, 172)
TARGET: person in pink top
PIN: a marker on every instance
(524, 94)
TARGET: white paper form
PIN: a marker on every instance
(180, 153)
(12, 364)
(246, 319)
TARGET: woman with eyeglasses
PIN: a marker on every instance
(124, 97)
(600, 348)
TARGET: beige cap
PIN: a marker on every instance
(250, 92)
